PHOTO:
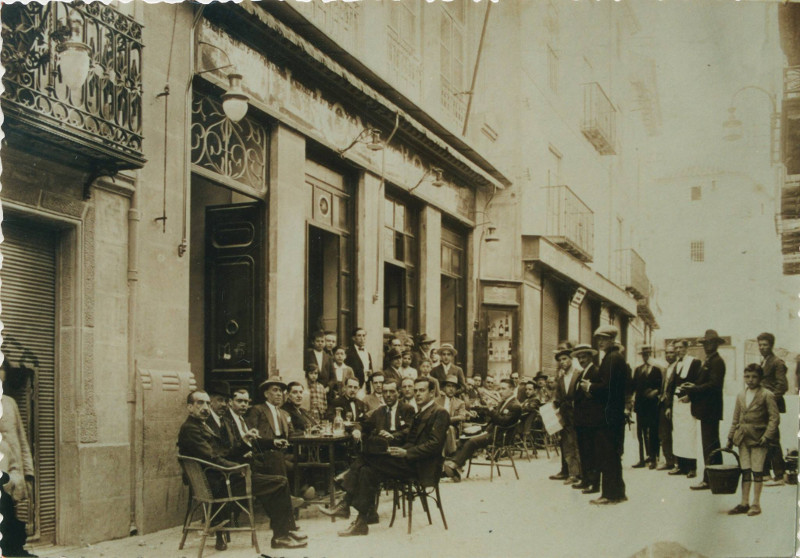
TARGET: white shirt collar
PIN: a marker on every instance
(426, 406)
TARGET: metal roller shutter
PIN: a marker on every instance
(550, 325)
(28, 315)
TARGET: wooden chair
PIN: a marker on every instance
(405, 490)
(201, 497)
(523, 440)
(502, 445)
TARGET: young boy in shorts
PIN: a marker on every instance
(755, 423)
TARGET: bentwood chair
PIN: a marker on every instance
(502, 446)
(202, 498)
(405, 490)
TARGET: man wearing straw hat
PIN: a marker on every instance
(706, 397)
(564, 398)
(588, 416)
(446, 368)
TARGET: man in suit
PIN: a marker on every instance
(684, 424)
(446, 367)
(375, 398)
(588, 418)
(197, 439)
(299, 418)
(610, 391)
(706, 398)
(564, 400)
(330, 342)
(357, 356)
(418, 458)
(394, 358)
(501, 422)
(457, 410)
(316, 354)
(422, 350)
(349, 403)
(646, 390)
(238, 407)
(220, 393)
(273, 426)
(392, 419)
(664, 412)
(775, 381)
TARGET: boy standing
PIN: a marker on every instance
(755, 424)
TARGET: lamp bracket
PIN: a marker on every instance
(96, 171)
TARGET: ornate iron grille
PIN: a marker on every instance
(233, 151)
(104, 116)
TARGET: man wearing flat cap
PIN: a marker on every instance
(446, 367)
(646, 390)
(706, 397)
(564, 399)
(610, 391)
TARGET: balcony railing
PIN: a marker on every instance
(791, 82)
(404, 64)
(790, 197)
(452, 102)
(570, 222)
(102, 120)
(599, 123)
(631, 273)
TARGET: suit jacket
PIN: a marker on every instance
(564, 399)
(439, 373)
(354, 361)
(310, 358)
(681, 376)
(775, 379)
(334, 384)
(344, 404)
(196, 439)
(391, 374)
(372, 402)
(588, 410)
(458, 409)
(646, 389)
(233, 430)
(260, 418)
(381, 419)
(299, 418)
(425, 442)
(760, 419)
(223, 430)
(668, 386)
(504, 416)
(706, 395)
(608, 390)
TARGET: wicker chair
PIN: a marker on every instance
(502, 446)
(201, 497)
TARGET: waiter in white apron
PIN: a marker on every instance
(686, 445)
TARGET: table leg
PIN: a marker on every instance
(296, 469)
(331, 476)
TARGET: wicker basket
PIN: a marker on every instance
(724, 479)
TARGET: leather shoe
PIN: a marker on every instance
(652, 465)
(287, 542)
(559, 476)
(666, 467)
(571, 480)
(701, 486)
(452, 472)
(777, 482)
(299, 537)
(739, 509)
(221, 544)
(639, 465)
(357, 528)
(601, 501)
(297, 502)
(590, 490)
(373, 518)
(580, 485)
(691, 474)
(339, 510)
(675, 471)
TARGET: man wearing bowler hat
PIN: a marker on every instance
(446, 367)
(706, 397)
(646, 389)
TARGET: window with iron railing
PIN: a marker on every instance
(698, 251)
(403, 44)
(451, 52)
(599, 123)
(569, 222)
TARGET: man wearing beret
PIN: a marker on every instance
(706, 397)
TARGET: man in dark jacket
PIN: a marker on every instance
(646, 389)
(419, 458)
(357, 356)
(196, 439)
(502, 419)
(775, 381)
(588, 418)
(706, 397)
(610, 390)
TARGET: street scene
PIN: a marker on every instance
(383, 278)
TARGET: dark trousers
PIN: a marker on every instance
(709, 433)
(12, 529)
(687, 465)
(775, 457)
(362, 484)
(608, 448)
(590, 473)
(271, 491)
(665, 435)
(471, 447)
(647, 434)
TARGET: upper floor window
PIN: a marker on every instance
(697, 193)
(698, 251)
(404, 21)
(451, 40)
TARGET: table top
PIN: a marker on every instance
(319, 439)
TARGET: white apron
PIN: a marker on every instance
(685, 431)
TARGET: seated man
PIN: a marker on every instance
(197, 440)
(407, 392)
(299, 418)
(375, 397)
(349, 404)
(501, 419)
(456, 409)
(489, 395)
(273, 427)
(531, 403)
(391, 421)
(418, 459)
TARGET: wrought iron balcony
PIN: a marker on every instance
(570, 222)
(599, 124)
(631, 273)
(790, 120)
(100, 121)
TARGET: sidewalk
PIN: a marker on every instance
(532, 516)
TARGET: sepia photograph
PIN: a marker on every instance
(400, 278)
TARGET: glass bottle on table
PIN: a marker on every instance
(338, 423)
